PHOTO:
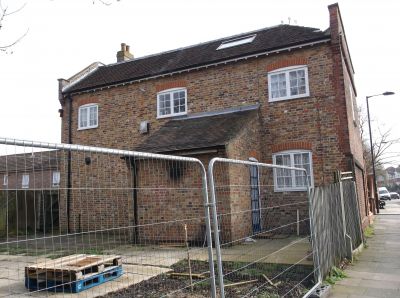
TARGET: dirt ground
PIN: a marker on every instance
(283, 280)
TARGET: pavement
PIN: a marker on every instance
(376, 271)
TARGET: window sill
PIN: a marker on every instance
(290, 189)
(171, 115)
(288, 97)
(86, 128)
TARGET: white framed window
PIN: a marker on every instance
(25, 181)
(172, 102)
(292, 180)
(288, 83)
(88, 116)
(5, 180)
(56, 179)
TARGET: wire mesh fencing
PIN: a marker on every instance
(111, 223)
(261, 227)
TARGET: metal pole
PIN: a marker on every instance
(373, 158)
(208, 229)
(215, 226)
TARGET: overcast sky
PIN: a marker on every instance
(67, 35)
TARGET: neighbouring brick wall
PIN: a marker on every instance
(37, 180)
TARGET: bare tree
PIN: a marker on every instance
(382, 144)
(4, 13)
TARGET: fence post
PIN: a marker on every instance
(208, 230)
(215, 226)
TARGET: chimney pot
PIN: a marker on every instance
(124, 54)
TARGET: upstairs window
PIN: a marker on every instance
(288, 83)
(292, 180)
(171, 103)
(5, 180)
(56, 179)
(25, 181)
(88, 116)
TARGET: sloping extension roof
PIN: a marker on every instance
(265, 41)
(207, 131)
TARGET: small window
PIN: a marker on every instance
(353, 105)
(56, 179)
(5, 180)
(288, 83)
(292, 180)
(88, 116)
(171, 103)
(25, 181)
(236, 41)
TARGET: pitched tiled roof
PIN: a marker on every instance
(267, 39)
(197, 132)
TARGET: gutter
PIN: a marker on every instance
(222, 62)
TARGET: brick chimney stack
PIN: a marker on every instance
(124, 54)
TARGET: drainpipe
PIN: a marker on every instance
(69, 167)
(135, 203)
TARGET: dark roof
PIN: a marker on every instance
(27, 162)
(266, 39)
(197, 132)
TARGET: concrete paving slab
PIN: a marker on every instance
(376, 273)
(290, 250)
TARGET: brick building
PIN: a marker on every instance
(283, 95)
(29, 191)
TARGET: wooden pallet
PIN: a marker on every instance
(71, 268)
(87, 282)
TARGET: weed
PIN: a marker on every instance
(369, 231)
(335, 275)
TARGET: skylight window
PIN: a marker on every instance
(236, 42)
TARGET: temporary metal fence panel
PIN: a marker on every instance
(336, 221)
(73, 217)
(262, 237)
(353, 220)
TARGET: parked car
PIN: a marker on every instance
(383, 193)
(394, 195)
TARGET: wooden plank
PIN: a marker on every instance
(53, 263)
(194, 275)
(241, 283)
(76, 262)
